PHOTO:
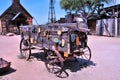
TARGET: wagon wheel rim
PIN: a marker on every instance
(52, 68)
(62, 74)
(51, 63)
(25, 49)
(85, 55)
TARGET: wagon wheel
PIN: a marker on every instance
(51, 62)
(53, 65)
(25, 49)
(85, 55)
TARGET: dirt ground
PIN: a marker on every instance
(104, 64)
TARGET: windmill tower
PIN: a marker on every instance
(51, 15)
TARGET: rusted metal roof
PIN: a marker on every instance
(12, 6)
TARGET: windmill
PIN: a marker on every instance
(51, 15)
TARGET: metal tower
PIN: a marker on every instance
(51, 15)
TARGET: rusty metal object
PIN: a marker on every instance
(4, 65)
(59, 41)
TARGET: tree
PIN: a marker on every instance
(85, 7)
(67, 5)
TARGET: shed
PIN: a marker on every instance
(13, 17)
(109, 23)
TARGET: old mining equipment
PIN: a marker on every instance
(59, 42)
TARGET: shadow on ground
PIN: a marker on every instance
(75, 66)
(72, 64)
(11, 70)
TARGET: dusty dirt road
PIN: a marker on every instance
(104, 65)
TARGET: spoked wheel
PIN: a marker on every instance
(85, 55)
(25, 49)
(53, 65)
(51, 62)
(62, 74)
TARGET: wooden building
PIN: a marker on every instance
(13, 17)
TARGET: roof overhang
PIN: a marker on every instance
(110, 9)
(16, 16)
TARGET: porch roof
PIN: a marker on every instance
(110, 9)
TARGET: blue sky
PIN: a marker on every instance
(38, 9)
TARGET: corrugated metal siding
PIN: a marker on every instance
(108, 27)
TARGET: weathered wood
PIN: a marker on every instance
(14, 16)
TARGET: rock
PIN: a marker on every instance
(10, 34)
